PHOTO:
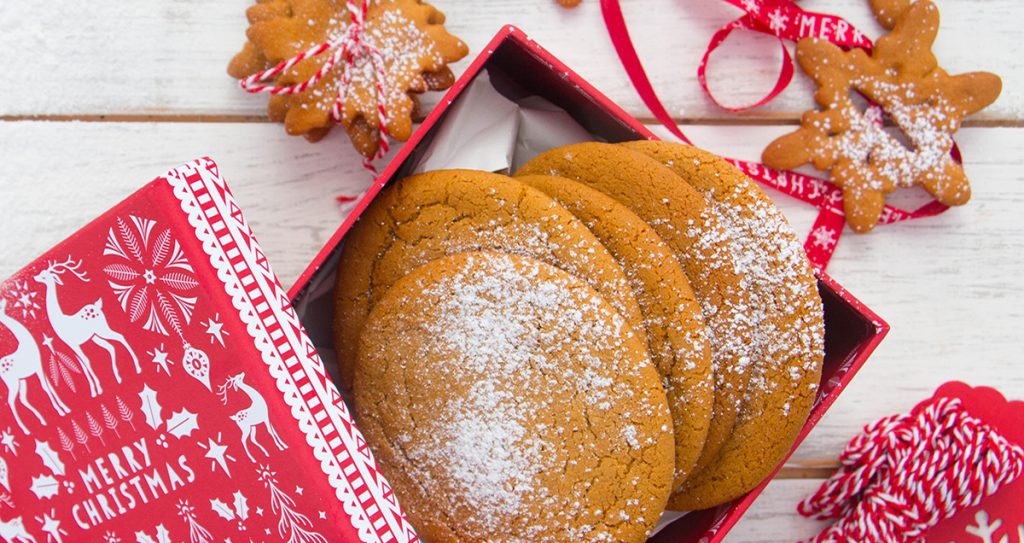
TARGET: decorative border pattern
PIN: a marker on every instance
(289, 355)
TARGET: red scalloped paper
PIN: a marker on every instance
(1000, 517)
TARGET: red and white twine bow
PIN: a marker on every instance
(905, 473)
(786, 21)
(348, 48)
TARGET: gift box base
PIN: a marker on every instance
(852, 330)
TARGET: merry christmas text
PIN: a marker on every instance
(121, 480)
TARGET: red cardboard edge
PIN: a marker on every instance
(210, 210)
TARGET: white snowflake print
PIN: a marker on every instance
(24, 299)
(150, 275)
(824, 237)
(985, 530)
(777, 21)
(751, 6)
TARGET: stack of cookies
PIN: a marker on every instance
(564, 354)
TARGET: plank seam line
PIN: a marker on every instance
(209, 118)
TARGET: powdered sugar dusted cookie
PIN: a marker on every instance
(680, 216)
(676, 333)
(902, 76)
(414, 47)
(507, 401)
(434, 214)
(789, 338)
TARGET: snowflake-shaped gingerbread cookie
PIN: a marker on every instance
(868, 160)
(410, 36)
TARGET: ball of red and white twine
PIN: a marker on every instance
(348, 48)
(905, 473)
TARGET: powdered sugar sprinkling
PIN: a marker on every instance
(403, 46)
(877, 156)
(537, 368)
(776, 271)
(487, 452)
(729, 320)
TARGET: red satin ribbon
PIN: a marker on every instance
(784, 20)
(829, 225)
(634, 68)
(787, 21)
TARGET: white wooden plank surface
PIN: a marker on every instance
(116, 57)
(773, 517)
(58, 175)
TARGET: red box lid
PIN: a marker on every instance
(160, 388)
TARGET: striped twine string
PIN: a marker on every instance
(347, 49)
(906, 473)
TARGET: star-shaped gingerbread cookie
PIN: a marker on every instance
(410, 35)
(866, 158)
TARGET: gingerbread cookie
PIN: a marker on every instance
(250, 59)
(679, 215)
(676, 334)
(505, 400)
(903, 77)
(434, 214)
(790, 339)
(414, 46)
(887, 12)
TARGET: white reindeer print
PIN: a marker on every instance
(23, 363)
(13, 531)
(88, 324)
(248, 419)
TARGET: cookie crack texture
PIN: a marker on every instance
(680, 217)
(676, 333)
(519, 374)
(451, 211)
(786, 317)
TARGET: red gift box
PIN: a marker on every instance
(160, 388)
(852, 330)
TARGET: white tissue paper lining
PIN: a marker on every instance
(482, 130)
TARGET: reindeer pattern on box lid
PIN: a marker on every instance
(152, 389)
